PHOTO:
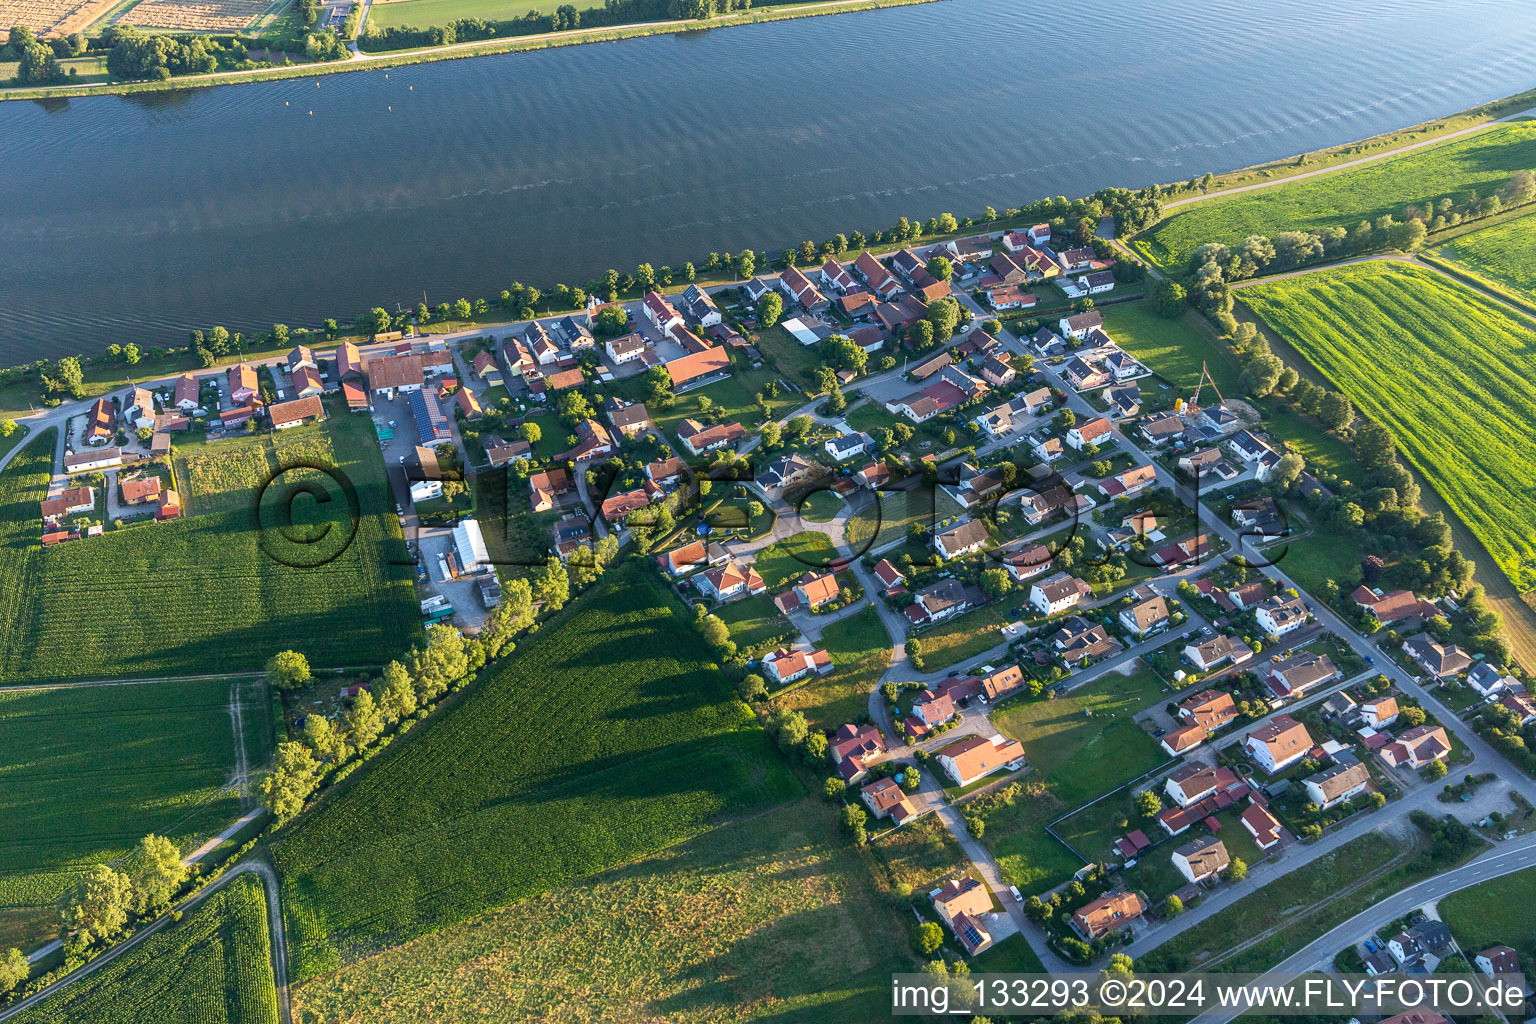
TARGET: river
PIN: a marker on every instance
(134, 218)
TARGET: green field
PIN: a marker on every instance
(1175, 349)
(794, 556)
(1085, 743)
(773, 918)
(1445, 370)
(861, 652)
(821, 507)
(208, 593)
(214, 967)
(1502, 257)
(754, 620)
(895, 513)
(1481, 162)
(129, 760)
(606, 736)
(1494, 913)
(425, 13)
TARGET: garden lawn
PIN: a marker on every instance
(1494, 913)
(213, 967)
(1027, 855)
(796, 361)
(861, 652)
(129, 760)
(754, 620)
(208, 592)
(776, 917)
(1173, 349)
(606, 736)
(794, 556)
(821, 506)
(962, 638)
(1445, 370)
(893, 514)
(1502, 257)
(1481, 162)
(1085, 743)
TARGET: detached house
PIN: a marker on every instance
(1294, 676)
(810, 593)
(729, 580)
(961, 903)
(1201, 859)
(785, 666)
(1440, 661)
(973, 757)
(1281, 615)
(1146, 616)
(942, 600)
(1217, 651)
(1108, 914)
(1278, 743)
(1335, 785)
(1418, 747)
(1093, 431)
(886, 799)
(961, 539)
(1058, 592)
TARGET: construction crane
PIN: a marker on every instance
(1205, 375)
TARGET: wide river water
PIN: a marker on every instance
(133, 219)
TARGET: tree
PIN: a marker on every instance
(769, 308)
(1412, 717)
(1237, 870)
(929, 938)
(325, 739)
(769, 432)
(1436, 770)
(834, 788)
(364, 722)
(855, 820)
(99, 906)
(14, 969)
(910, 780)
(746, 263)
(293, 777)
(611, 321)
(1521, 188)
(940, 269)
(375, 321)
(130, 353)
(1174, 906)
(752, 687)
(1287, 470)
(1168, 298)
(157, 873)
(921, 335)
(1148, 803)
(437, 664)
(287, 670)
(1335, 411)
(944, 314)
(799, 426)
(995, 583)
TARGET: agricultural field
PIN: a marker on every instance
(607, 736)
(213, 967)
(128, 759)
(771, 918)
(1503, 258)
(210, 592)
(1175, 349)
(52, 17)
(195, 15)
(426, 13)
(1494, 913)
(861, 652)
(1479, 163)
(1442, 368)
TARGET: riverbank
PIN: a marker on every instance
(364, 61)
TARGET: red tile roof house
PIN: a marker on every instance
(1197, 780)
(853, 747)
(187, 392)
(729, 580)
(785, 666)
(810, 593)
(296, 413)
(1091, 432)
(1393, 605)
(890, 578)
(1278, 743)
(961, 902)
(933, 709)
(615, 509)
(1262, 826)
(1498, 960)
(974, 757)
(886, 799)
(141, 491)
(1108, 914)
(1418, 747)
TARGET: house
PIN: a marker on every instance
(661, 314)
(848, 445)
(1261, 515)
(1083, 375)
(1440, 661)
(1078, 325)
(84, 462)
(1489, 681)
(760, 286)
(1278, 743)
(691, 556)
(1125, 401)
(1046, 344)
(243, 386)
(1201, 859)
(1027, 561)
(1220, 418)
(296, 412)
(185, 395)
(728, 581)
(701, 309)
(1005, 297)
(1080, 641)
(1248, 595)
(942, 600)
(1342, 782)
(306, 381)
(1380, 713)
(1093, 431)
(140, 491)
(785, 666)
(572, 533)
(1146, 616)
(1217, 651)
(799, 290)
(1521, 706)
(997, 372)
(1497, 960)
(1280, 615)
(880, 280)
(624, 349)
(886, 799)
(1418, 747)
(1043, 504)
(500, 452)
(1110, 913)
(392, 374)
(699, 439)
(1005, 271)
(910, 266)
(617, 508)
(469, 405)
(170, 506)
(963, 538)
(665, 473)
(809, 594)
(1209, 709)
(1047, 449)
(1129, 483)
(872, 475)
(71, 501)
(853, 747)
(1160, 428)
(933, 709)
(835, 278)
(138, 408)
(890, 578)
(546, 486)
(699, 367)
(1193, 782)
(349, 361)
(1423, 944)
(1294, 676)
(973, 757)
(961, 902)
(1057, 592)
(787, 470)
(1263, 826)
(1393, 605)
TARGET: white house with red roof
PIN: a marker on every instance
(784, 666)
